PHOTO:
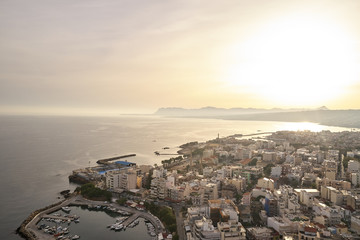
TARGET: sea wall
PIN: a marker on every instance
(23, 232)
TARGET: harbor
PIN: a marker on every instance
(55, 222)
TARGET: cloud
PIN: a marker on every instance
(126, 54)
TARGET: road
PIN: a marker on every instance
(179, 222)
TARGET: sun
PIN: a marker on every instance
(294, 61)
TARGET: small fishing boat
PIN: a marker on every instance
(66, 209)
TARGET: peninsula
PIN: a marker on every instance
(341, 118)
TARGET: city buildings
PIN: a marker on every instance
(310, 192)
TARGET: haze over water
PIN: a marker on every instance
(38, 153)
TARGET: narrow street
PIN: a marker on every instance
(179, 222)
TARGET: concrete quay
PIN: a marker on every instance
(58, 217)
(130, 219)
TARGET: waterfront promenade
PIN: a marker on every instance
(78, 200)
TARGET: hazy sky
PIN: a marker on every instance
(136, 56)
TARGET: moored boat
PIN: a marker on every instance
(66, 209)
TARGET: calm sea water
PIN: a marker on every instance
(38, 153)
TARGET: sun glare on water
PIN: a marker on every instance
(295, 61)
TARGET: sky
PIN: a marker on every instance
(135, 56)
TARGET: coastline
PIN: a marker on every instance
(59, 168)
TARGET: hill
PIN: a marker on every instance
(322, 115)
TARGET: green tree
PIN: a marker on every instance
(90, 191)
(267, 169)
(165, 214)
(149, 179)
(294, 183)
(121, 201)
(253, 162)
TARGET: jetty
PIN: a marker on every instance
(58, 217)
(131, 219)
(166, 154)
(249, 135)
(106, 160)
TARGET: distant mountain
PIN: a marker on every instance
(341, 118)
(322, 115)
(213, 111)
(323, 108)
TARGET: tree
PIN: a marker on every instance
(267, 169)
(90, 191)
(148, 179)
(253, 162)
(121, 201)
(238, 197)
(294, 183)
(165, 214)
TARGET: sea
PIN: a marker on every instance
(37, 154)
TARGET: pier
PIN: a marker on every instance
(131, 219)
(166, 154)
(105, 160)
(58, 217)
(249, 135)
(254, 134)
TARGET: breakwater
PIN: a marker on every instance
(105, 160)
(23, 232)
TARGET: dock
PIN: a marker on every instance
(166, 154)
(131, 219)
(255, 134)
(58, 217)
(105, 160)
(249, 135)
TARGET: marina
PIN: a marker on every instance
(99, 223)
(55, 222)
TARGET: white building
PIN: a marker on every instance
(262, 233)
(121, 179)
(265, 183)
(157, 173)
(353, 166)
(158, 188)
(282, 225)
(355, 178)
(170, 181)
(306, 196)
(204, 229)
(231, 230)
